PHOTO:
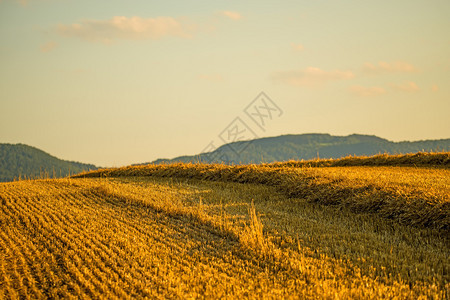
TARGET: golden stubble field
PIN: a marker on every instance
(187, 231)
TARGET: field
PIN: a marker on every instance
(354, 228)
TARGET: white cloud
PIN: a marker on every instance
(310, 76)
(297, 47)
(407, 86)
(384, 67)
(119, 27)
(47, 47)
(363, 91)
(231, 14)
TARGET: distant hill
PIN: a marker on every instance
(26, 161)
(309, 146)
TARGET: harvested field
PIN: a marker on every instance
(212, 231)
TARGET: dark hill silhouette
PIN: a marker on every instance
(309, 146)
(26, 161)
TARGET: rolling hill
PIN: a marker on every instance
(19, 160)
(308, 146)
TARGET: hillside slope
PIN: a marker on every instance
(19, 160)
(308, 146)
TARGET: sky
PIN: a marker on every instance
(119, 82)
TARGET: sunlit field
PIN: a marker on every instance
(224, 149)
(195, 230)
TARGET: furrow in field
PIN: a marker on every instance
(50, 218)
(23, 253)
(47, 234)
(123, 232)
(87, 257)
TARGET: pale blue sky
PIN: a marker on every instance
(120, 82)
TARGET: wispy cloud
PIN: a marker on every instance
(310, 76)
(407, 86)
(297, 47)
(47, 47)
(363, 91)
(385, 67)
(133, 28)
(231, 14)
